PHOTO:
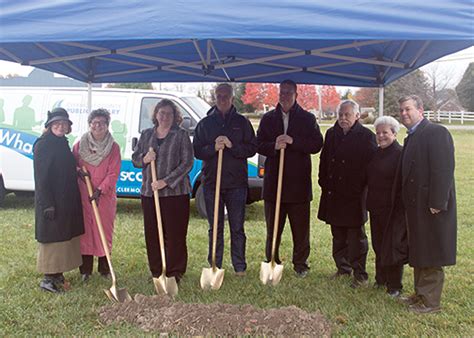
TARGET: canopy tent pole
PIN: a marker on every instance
(89, 97)
(381, 90)
(320, 105)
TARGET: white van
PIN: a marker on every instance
(23, 113)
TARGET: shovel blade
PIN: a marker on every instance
(271, 273)
(117, 295)
(212, 278)
(166, 285)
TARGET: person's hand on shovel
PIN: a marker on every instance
(82, 174)
(149, 156)
(158, 185)
(96, 195)
(282, 140)
(222, 142)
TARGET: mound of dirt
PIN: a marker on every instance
(163, 315)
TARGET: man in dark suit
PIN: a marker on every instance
(292, 128)
(348, 148)
(429, 198)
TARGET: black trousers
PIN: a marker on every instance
(175, 219)
(88, 263)
(298, 215)
(349, 250)
(390, 276)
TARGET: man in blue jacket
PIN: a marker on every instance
(224, 128)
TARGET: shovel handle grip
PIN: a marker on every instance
(276, 221)
(158, 218)
(98, 220)
(216, 207)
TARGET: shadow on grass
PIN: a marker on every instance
(20, 201)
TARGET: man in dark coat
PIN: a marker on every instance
(292, 128)
(429, 199)
(224, 128)
(348, 148)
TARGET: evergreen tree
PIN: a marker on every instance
(465, 88)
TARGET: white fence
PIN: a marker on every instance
(450, 116)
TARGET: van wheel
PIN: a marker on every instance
(3, 191)
(200, 202)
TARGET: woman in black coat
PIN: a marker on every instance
(58, 209)
(387, 225)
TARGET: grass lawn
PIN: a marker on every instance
(25, 309)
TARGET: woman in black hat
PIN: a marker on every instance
(58, 210)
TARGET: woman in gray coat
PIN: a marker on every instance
(58, 209)
(173, 152)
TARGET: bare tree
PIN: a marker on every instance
(439, 82)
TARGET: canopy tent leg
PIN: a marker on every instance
(89, 97)
(381, 90)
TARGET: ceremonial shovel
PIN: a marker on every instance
(212, 278)
(114, 294)
(272, 272)
(163, 285)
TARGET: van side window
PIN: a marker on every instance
(146, 112)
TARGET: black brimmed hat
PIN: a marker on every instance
(57, 114)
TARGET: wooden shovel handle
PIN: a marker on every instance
(158, 218)
(98, 220)
(216, 207)
(276, 221)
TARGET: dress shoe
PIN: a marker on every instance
(421, 308)
(338, 274)
(302, 273)
(394, 293)
(409, 300)
(48, 284)
(85, 277)
(357, 283)
(240, 273)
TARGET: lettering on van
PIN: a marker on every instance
(18, 141)
(131, 176)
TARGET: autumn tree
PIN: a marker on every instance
(330, 98)
(307, 97)
(254, 95)
(366, 97)
(465, 88)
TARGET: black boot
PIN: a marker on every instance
(48, 284)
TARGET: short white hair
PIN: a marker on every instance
(389, 121)
(225, 86)
(352, 103)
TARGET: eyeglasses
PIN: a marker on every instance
(98, 123)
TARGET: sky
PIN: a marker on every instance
(450, 67)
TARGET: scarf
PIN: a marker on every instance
(93, 151)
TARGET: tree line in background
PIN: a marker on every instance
(430, 85)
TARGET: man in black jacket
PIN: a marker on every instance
(348, 148)
(429, 198)
(292, 128)
(224, 128)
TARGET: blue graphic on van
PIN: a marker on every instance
(18, 141)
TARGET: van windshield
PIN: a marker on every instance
(197, 104)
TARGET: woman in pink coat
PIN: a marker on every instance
(100, 154)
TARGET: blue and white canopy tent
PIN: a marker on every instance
(364, 43)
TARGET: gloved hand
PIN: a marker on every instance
(96, 195)
(49, 214)
(82, 174)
